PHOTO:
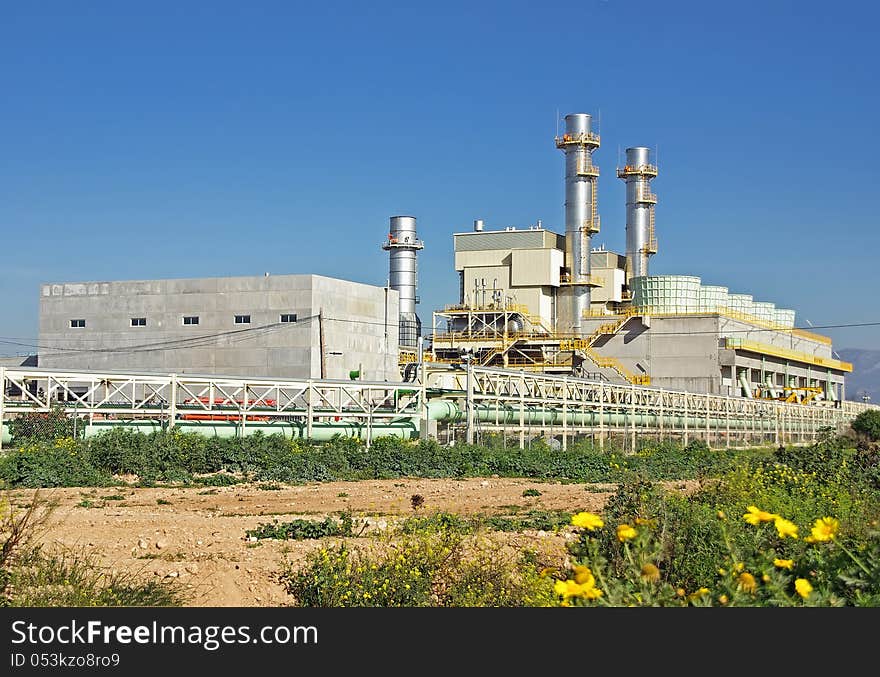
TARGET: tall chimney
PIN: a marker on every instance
(402, 246)
(641, 241)
(581, 214)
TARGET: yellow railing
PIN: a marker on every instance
(661, 311)
(630, 170)
(587, 170)
(646, 195)
(586, 138)
(785, 353)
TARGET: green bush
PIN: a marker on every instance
(431, 567)
(867, 423)
(301, 529)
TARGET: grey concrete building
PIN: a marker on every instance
(271, 326)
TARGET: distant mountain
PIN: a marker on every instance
(865, 376)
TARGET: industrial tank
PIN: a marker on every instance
(666, 294)
(740, 303)
(764, 310)
(784, 317)
(713, 298)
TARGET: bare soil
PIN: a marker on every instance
(194, 537)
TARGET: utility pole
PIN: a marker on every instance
(321, 341)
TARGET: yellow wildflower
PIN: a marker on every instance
(755, 516)
(765, 578)
(698, 593)
(783, 563)
(546, 571)
(825, 529)
(625, 533)
(785, 528)
(651, 573)
(583, 576)
(738, 566)
(747, 583)
(721, 515)
(723, 599)
(568, 589)
(587, 520)
(803, 587)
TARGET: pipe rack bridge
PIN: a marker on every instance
(444, 400)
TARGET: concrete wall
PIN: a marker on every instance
(265, 347)
(684, 353)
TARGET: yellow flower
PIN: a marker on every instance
(738, 566)
(723, 599)
(755, 516)
(568, 589)
(681, 592)
(765, 578)
(825, 529)
(587, 520)
(698, 593)
(785, 528)
(583, 576)
(546, 571)
(746, 582)
(721, 515)
(625, 533)
(651, 573)
(803, 587)
(783, 563)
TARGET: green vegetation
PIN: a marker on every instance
(867, 423)
(31, 576)
(795, 528)
(300, 529)
(190, 459)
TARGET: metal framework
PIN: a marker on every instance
(485, 399)
(561, 406)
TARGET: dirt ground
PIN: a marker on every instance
(195, 536)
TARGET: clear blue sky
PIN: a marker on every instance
(191, 139)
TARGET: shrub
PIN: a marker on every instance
(867, 423)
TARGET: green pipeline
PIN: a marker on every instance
(447, 411)
(321, 432)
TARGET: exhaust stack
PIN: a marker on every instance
(402, 245)
(581, 215)
(641, 241)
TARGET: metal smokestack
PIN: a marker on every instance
(581, 215)
(402, 246)
(641, 241)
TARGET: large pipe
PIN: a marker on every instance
(448, 412)
(403, 244)
(640, 203)
(744, 383)
(322, 432)
(581, 221)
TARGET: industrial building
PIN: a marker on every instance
(535, 300)
(281, 326)
(530, 299)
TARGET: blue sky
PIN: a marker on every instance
(191, 139)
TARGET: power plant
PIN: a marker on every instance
(549, 336)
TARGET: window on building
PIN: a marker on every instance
(190, 319)
(242, 319)
(138, 322)
(77, 324)
(288, 317)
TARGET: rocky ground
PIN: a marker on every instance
(195, 537)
